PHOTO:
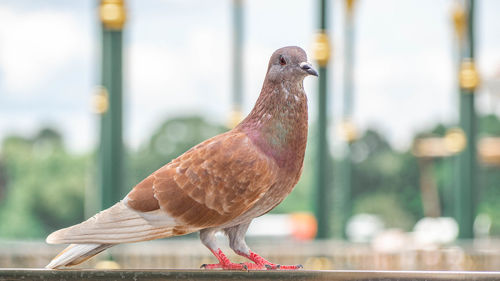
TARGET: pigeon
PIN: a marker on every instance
(219, 185)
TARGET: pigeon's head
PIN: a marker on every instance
(289, 63)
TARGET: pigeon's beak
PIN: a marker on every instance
(307, 67)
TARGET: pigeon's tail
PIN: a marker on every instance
(76, 253)
(118, 224)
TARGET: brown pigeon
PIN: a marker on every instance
(220, 184)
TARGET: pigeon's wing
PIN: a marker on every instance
(209, 185)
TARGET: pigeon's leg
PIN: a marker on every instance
(237, 242)
(207, 237)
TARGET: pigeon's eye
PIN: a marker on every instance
(282, 60)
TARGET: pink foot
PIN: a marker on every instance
(260, 263)
(226, 264)
(263, 263)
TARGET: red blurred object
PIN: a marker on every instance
(304, 226)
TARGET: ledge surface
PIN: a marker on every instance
(333, 275)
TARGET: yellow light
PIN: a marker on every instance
(318, 263)
(348, 131)
(349, 5)
(459, 20)
(107, 265)
(235, 118)
(455, 140)
(468, 76)
(100, 101)
(322, 49)
(112, 14)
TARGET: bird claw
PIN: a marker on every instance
(272, 266)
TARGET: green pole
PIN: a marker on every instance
(448, 200)
(238, 29)
(346, 163)
(322, 54)
(112, 15)
(465, 194)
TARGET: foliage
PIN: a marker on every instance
(387, 206)
(42, 184)
(45, 186)
(385, 181)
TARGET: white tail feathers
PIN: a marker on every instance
(76, 253)
(118, 224)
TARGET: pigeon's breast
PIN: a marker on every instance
(287, 179)
(275, 195)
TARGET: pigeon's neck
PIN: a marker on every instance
(278, 122)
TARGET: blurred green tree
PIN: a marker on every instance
(45, 185)
(385, 181)
(488, 177)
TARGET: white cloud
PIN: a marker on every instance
(189, 78)
(403, 96)
(35, 45)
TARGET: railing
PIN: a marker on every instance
(152, 275)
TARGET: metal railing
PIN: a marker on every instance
(151, 275)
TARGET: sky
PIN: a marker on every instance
(177, 61)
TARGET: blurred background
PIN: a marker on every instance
(402, 169)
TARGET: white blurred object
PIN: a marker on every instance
(432, 231)
(390, 241)
(270, 225)
(362, 228)
(482, 226)
(300, 226)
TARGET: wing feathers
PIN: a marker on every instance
(141, 198)
(215, 181)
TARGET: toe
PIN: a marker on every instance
(272, 266)
(289, 267)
